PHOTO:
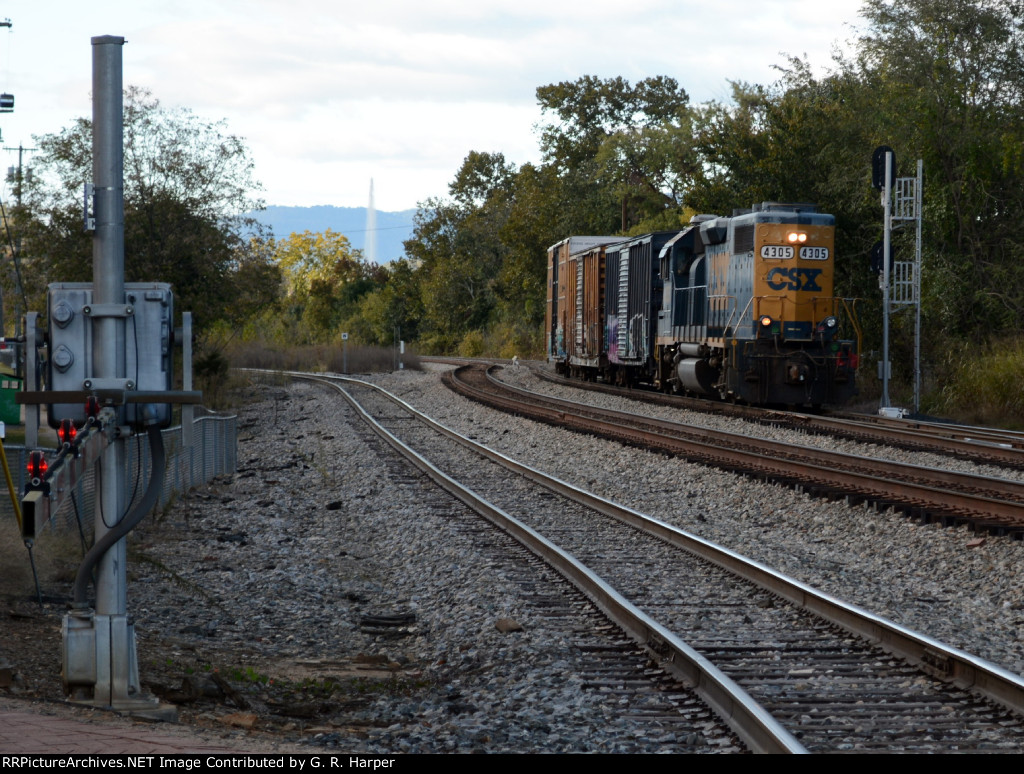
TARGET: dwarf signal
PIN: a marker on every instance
(66, 433)
(36, 469)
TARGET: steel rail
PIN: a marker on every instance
(882, 480)
(734, 706)
(942, 661)
(974, 443)
(968, 482)
(959, 436)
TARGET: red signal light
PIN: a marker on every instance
(36, 466)
(67, 432)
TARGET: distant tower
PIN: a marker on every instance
(371, 229)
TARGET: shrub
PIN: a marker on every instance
(320, 357)
(472, 344)
(982, 385)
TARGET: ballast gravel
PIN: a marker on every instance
(943, 582)
(344, 611)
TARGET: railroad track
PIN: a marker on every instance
(610, 663)
(948, 497)
(981, 445)
(784, 665)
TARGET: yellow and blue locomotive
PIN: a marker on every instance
(738, 307)
(748, 310)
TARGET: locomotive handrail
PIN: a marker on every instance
(750, 303)
(836, 303)
(851, 315)
(727, 327)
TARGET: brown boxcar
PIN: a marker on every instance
(585, 333)
(562, 286)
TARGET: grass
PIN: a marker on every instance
(319, 357)
(250, 676)
(981, 385)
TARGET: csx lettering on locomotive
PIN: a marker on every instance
(793, 279)
(738, 307)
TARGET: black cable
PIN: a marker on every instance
(137, 472)
(78, 518)
(129, 522)
(35, 575)
(99, 494)
(138, 439)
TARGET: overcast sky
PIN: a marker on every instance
(329, 94)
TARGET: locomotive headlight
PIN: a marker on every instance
(827, 328)
(766, 326)
(797, 236)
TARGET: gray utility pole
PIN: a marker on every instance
(17, 174)
(108, 353)
(100, 663)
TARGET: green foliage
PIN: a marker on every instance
(621, 150)
(950, 81)
(326, 280)
(472, 344)
(211, 365)
(503, 340)
(250, 676)
(982, 384)
(458, 251)
(394, 306)
(507, 340)
(186, 183)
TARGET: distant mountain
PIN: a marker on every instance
(393, 228)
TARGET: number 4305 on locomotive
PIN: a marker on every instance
(738, 307)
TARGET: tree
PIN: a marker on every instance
(325, 279)
(458, 248)
(482, 177)
(621, 151)
(188, 185)
(950, 82)
(459, 254)
(394, 306)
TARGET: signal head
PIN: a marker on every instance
(66, 432)
(36, 467)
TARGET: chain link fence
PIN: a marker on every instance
(213, 453)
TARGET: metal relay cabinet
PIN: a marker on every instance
(148, 310)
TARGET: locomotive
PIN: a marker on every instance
(738, 307)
